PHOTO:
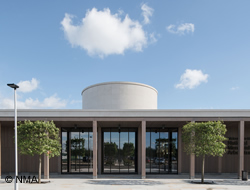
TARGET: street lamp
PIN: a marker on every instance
(16, 168)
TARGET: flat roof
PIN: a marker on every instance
(159, 113)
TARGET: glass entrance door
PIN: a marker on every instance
(77, 150)
(161, 150)
(119, 153)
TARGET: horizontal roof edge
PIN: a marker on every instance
(119, 82)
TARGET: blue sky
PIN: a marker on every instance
(195, 53)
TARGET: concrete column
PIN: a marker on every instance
(0, 151)
(192, 164)
(143, 149)
(94, 149)
(241, 147)
(46, 166)
(219, 164)
(179, 150)
(99, 150)
(139, 150)
(192, 167)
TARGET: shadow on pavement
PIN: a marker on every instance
(237, 182)
(124, 182)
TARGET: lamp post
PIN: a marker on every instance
(15, 107)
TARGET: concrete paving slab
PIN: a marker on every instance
(132, 182)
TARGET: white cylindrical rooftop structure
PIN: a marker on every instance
(119, 95)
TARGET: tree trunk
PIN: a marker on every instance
(40, 169)
(202, 169)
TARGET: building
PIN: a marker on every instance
(121, 131)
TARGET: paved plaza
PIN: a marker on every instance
(132, 182)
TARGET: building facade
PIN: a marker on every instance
(121, 131)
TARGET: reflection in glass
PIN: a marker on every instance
(148, 152)
(124, 152)
(84, 157)
(174, 152)
(119, 150)
(114, 148)
(64, 152)
(107, 150)
(155, 135)
(130, 149)
(76, 150)
(164, 152)
(161, 150)
(90, 152)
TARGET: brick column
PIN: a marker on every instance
(143, 149)
(241, 147)
(46, 167)
(94, 149)
(192, 164)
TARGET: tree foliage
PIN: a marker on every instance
(111, 150)
(37, 138)
(77, 146)
(128, 151)
(204, 138)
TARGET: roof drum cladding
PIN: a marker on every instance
(119, 95)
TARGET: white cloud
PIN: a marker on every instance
(152, 38)
(234, 88)
(146, 13)
(28, 86)
(102, 33)
(50, 102)
(191, 79)
(181, 29)
(75, 101)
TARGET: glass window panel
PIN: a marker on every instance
(124, 151)
(131, 152)
(174, 152)
(149, 158)
(155, 147)
(84, 151)
(78, 159)
(119, 152)
(74, 141)
(164, 155)
(114, 147)
(106, 152)
(163, 150)
(64, 152)
(90, 151)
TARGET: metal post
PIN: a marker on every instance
(15, 108)
(16, 161)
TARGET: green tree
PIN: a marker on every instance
(204, 139)
(111, 150)
(128, 151)
(37, 138)
(77, 148)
